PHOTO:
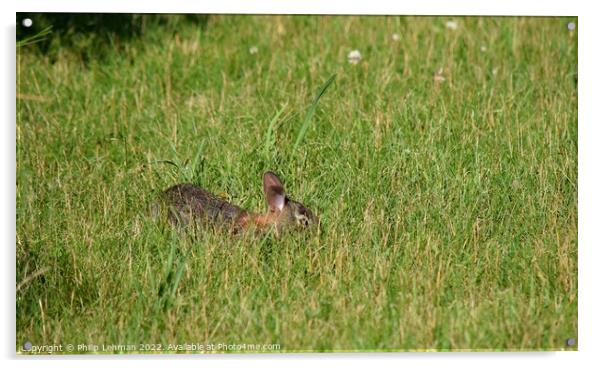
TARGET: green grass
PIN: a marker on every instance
(448, 209)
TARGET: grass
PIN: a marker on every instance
(448, 209)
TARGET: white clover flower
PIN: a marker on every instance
(396, 37)
(253, 50)
(27, 22)
(571, 26)
(354, 57)
(451, 24)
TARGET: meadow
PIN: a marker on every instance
(443, 167)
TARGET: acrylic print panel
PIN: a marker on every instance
(354, 183)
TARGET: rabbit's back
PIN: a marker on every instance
(188, 201)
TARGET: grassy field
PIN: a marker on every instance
(443, 167)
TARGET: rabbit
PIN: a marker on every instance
(188, 203)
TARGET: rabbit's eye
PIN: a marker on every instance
(301, 219)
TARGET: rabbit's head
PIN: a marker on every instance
(283, 211)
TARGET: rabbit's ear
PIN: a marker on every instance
(274, 191)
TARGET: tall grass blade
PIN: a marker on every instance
(38, 37)
(311, 111)
(269, 135)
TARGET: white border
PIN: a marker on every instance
(589, 177)
(424, 7)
